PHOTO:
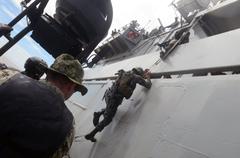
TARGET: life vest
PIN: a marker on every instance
(123, 83)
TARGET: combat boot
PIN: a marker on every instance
(91, 135)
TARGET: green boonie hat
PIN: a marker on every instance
(66, 65)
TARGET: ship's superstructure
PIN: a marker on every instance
(192, 114)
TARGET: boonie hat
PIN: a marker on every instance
(70, 67)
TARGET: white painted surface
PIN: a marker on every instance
(178, 118)
(190, 117)
(219, 50)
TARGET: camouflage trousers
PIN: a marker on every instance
(63, 150)
(112, 103)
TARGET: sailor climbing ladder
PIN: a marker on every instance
(185, 33)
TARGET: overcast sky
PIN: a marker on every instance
(145, 11)
(26, 47)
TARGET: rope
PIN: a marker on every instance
(192, 24)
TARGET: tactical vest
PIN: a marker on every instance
(123, 82)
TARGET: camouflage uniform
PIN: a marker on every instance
(71, 68)
(65, 65)
(5, 74)
(63, 150)
(113, 98)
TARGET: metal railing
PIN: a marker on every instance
(35, 8)
(195, 72)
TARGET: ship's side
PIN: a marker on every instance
(185, 116)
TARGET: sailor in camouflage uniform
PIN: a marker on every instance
(34, 120)
(122, 88)
(34, 67)
(73, 70)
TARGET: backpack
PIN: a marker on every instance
(123, 82)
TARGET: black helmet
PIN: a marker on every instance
(35, 67)
(138, 71)
(120, 72)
